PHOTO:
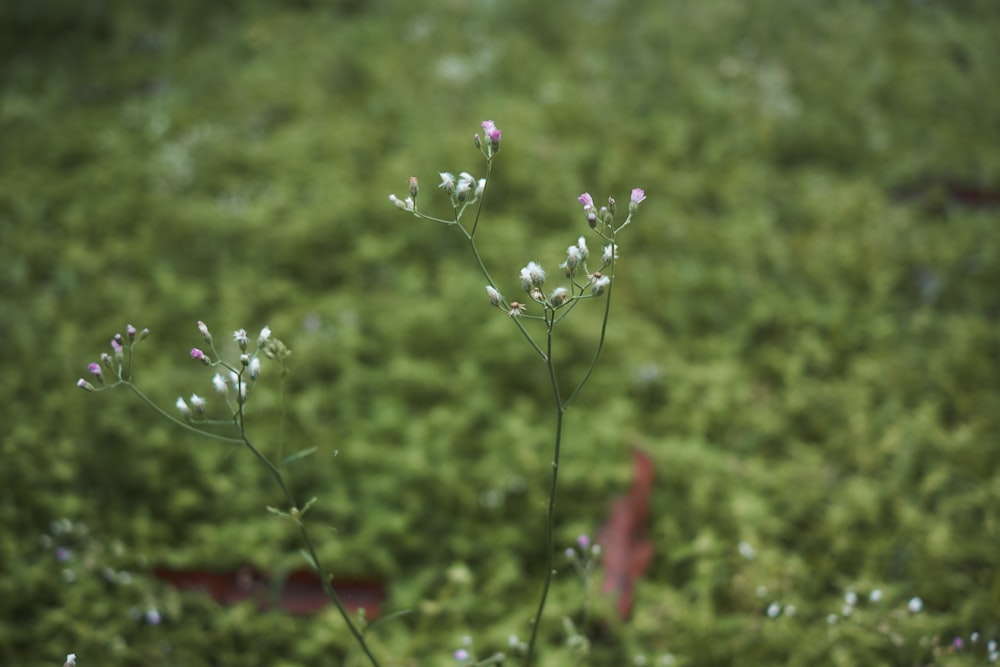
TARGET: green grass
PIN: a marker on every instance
(804, 336)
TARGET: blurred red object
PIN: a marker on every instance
(626, 551)
(298, 593)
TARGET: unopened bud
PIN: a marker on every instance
(414, 186)
(203, 328)
(493, 295)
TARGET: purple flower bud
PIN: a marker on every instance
(492, 133)
(586, 200)
(117, 346)
(95, 369)
(86, 386)
(130, 331)
(583, 541)
(200, 356)
(638, 195)
(461, 655)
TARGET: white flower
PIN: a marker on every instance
(610, 253)
(532, 276)
(447, 182)
(254, 368)
(265, 335)
(558, 296)
(220, 384)
(493, 295)
(198, 403)
(915, 605)
(598, 284)
(582, 244)
(183, 408)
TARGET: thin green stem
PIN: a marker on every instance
(550, 511)
(604, 329)
(175, 420)
(307, 540)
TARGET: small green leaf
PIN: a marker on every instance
(309, 559)
(301, 454)
(277, 512)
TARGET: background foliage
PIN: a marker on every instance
(805, 336)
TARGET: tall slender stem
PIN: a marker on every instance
(551, 509)
(307, 540)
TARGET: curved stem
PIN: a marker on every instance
(178, 422)
(307, 540)
(604, 329)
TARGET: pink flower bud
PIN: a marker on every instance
(586, 200)
(206, 334)
(200, 356)
(95, 369)
(638, 195)
(492, 133)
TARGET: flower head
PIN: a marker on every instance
(559, 296)
(402, 205)
(586, 200)
(70, 660)
(447, 182)
(198, 403)
(203, 328)
(95, 369)
(200, 356)
(492, 133)
(516, 309)
(598, 283)
(573, 258)
(219, 383)
(610, 254)
(532, 276)
(493, 295)
(265, 335)
(182, 406)
(638, 195)
(241, 338)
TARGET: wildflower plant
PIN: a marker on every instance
(583, 277)
(234, 382)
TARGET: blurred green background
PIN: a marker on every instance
(804, 336)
